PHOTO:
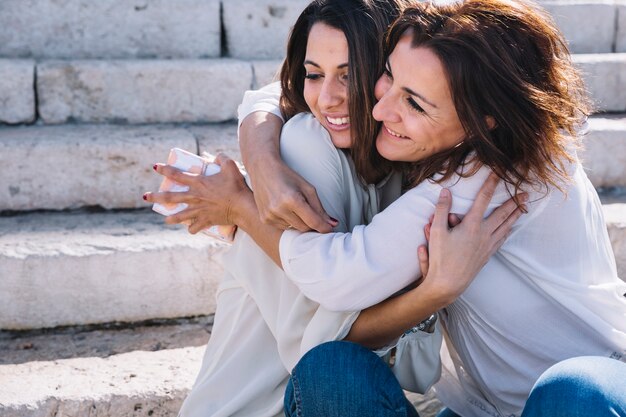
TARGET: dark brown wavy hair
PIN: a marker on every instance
(364, 23)
(507, 60)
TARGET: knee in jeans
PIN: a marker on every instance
(576, 379)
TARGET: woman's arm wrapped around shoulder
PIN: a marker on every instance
(284, 199)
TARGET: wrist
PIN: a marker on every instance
(242, 209)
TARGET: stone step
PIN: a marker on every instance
(148, 91)
(81, 268)
(250, 29)
(605, 79)
(590, 26)
(604, 150)
(110, 371)
(73, 166)
(189, 91)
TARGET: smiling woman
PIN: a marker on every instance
(415, 106)
(326, 82)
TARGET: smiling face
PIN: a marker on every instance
(415, 106)
(326, 81)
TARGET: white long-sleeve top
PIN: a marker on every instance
(550, 293)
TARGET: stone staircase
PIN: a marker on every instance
(104, 310)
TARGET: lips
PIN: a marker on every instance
(395, 134)
(338, 121)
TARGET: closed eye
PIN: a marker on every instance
(312, 76)
(414, 105)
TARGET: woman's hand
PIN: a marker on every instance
(210, 199)
(455, 255)
(285, 200)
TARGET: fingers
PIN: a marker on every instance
(484, 197)
(505, 227)
(182, 217)
(175, 174)
(453, 220)
(165, 197)
(422, 256)
(502, 213)
(440, 221)
(316, 218)
(222, 159)
(427, 232)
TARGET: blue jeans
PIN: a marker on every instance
(345, 379)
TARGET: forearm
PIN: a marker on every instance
(259, 138)
(246, 216)
(382, 323)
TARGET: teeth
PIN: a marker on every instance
(392, 133)
(338, 121)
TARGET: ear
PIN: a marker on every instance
(491, 122)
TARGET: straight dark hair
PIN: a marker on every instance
(508, 61)
(364, 23)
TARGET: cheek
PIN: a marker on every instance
(381, 87)
(310, 94)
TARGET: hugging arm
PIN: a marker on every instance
(453, 258)
(283, 197)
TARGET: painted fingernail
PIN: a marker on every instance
(145, 196)
(154, 167)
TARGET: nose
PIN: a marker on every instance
(385, 109)
(332, 94)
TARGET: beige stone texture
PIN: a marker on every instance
(588, 26)
(133, 384)
(17, 90)
(84, 268)
(615, 216)
(258, 29)
(620, 39)
(142, 91)
(266, 72)
(604, 152)
(605, 79)
(218, 138)
(86, 29)
(61, 167)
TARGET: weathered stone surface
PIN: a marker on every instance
(130, 384)
(142, 91)
(259, 28)
(81, 268)
(60, 167)
(266, 72)
(620, 39)
(589, 26)
(218, 138)
(17, 90)
(605, 78)
(110, 28)
(102, 340)
(615, 216)
(604, 152)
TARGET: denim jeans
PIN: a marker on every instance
(344, 379)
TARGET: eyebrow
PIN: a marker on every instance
(308, 61)
(409, 91)
(413, 93)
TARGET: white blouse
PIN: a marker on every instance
(550, 293)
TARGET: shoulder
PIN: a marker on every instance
(303, 137)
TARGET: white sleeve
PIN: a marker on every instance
(266, 99)
(353, 271)
(306, 147)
